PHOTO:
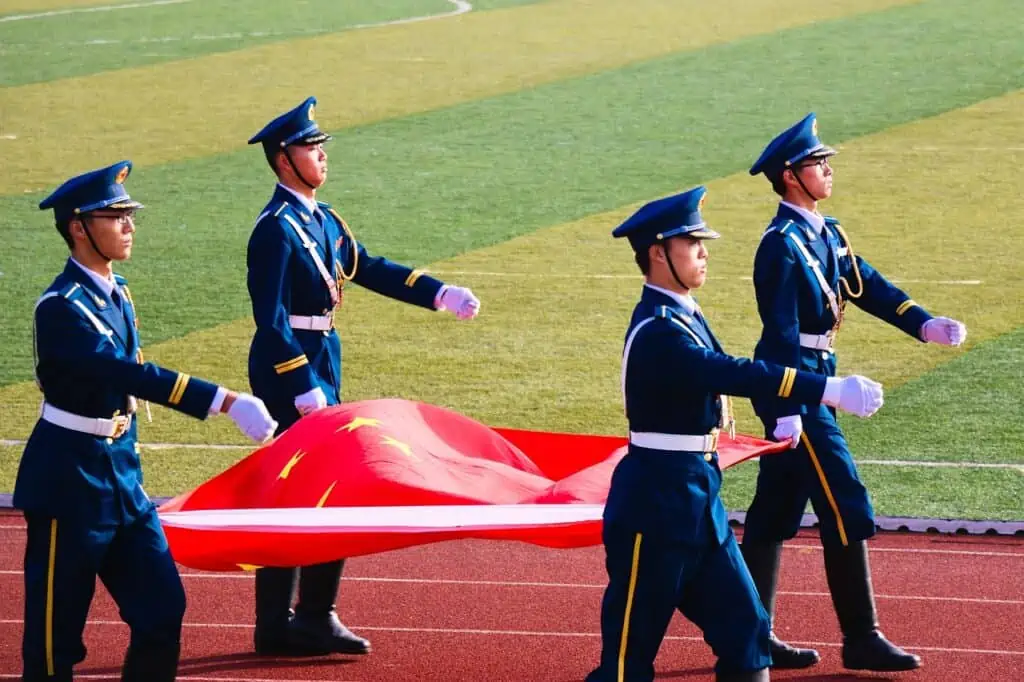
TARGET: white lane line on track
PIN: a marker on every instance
(539, 633)
(183, 677)
(85, 10)
(576, 586)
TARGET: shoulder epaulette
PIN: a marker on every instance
(119, 280)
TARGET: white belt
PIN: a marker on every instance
(316, 323)
(108, 428)
(816, 341)
(675, 441)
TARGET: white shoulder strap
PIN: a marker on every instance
(310, 246)
(815, 266)
(625, 356)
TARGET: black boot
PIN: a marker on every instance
(151, 664)
(849, 580)
(763, 561)
(316, 628)
(275, 588)
(757, 676)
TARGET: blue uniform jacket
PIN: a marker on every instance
(284, 280)
(88, 363)
(674, 374)
(791, 300)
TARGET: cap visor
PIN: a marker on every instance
(703, 233)
(130, 203)
(314, 139)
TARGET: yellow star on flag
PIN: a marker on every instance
(357, 422)
(399, 445)
(299, 454)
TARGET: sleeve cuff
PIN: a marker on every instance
(218, 400)
(438, 296)
(831, 395)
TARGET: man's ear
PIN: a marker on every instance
(656, 252)
(76, 228)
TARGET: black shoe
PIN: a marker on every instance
(763, 561)
(275, 588)
(315, 635)
(786, 657)
(849, 581)
(875, 652)
(151, 664)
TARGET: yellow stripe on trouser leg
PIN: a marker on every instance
(629, 607)
(49, 597)
(824, 485)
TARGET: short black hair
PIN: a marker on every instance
(64, 229)
(643, 260)
(270, 151)
(778, 185)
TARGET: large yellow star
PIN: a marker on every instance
(400, 446)
(323, 498)
(357, 422)
(299, 454)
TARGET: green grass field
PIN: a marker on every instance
(499, 147)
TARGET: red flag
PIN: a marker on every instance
(377, 475)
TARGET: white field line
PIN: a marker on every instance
(572, 586)
(637, 277)
(535, 633)
(869, 462)
(461, 7)
(84, 10)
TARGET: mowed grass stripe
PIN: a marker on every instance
(361, 76)
(34, 6)
(429, 187)
(967, 409)
(36, 48)
(545, 351)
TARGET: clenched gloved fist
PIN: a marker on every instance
(944, 331)
(310, 401)
(460, 301)
(854, 394)
(252, 418)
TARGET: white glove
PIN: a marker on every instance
(944, 331)
(252, 418)
(789, 427)
(854, 394)
(458, 300)
(310, 401)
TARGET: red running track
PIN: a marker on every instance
(484, 610)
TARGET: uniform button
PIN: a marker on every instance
(110, 441)
(708, 457)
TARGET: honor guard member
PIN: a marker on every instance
(80, 480)
(805, 272)
(301, 256)
(667, 540)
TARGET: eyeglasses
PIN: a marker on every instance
(820, 162)
(121, 217)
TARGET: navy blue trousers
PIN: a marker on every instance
(820, 470)
(649, 579)
(62, 562)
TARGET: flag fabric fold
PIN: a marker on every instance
(378, 475)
